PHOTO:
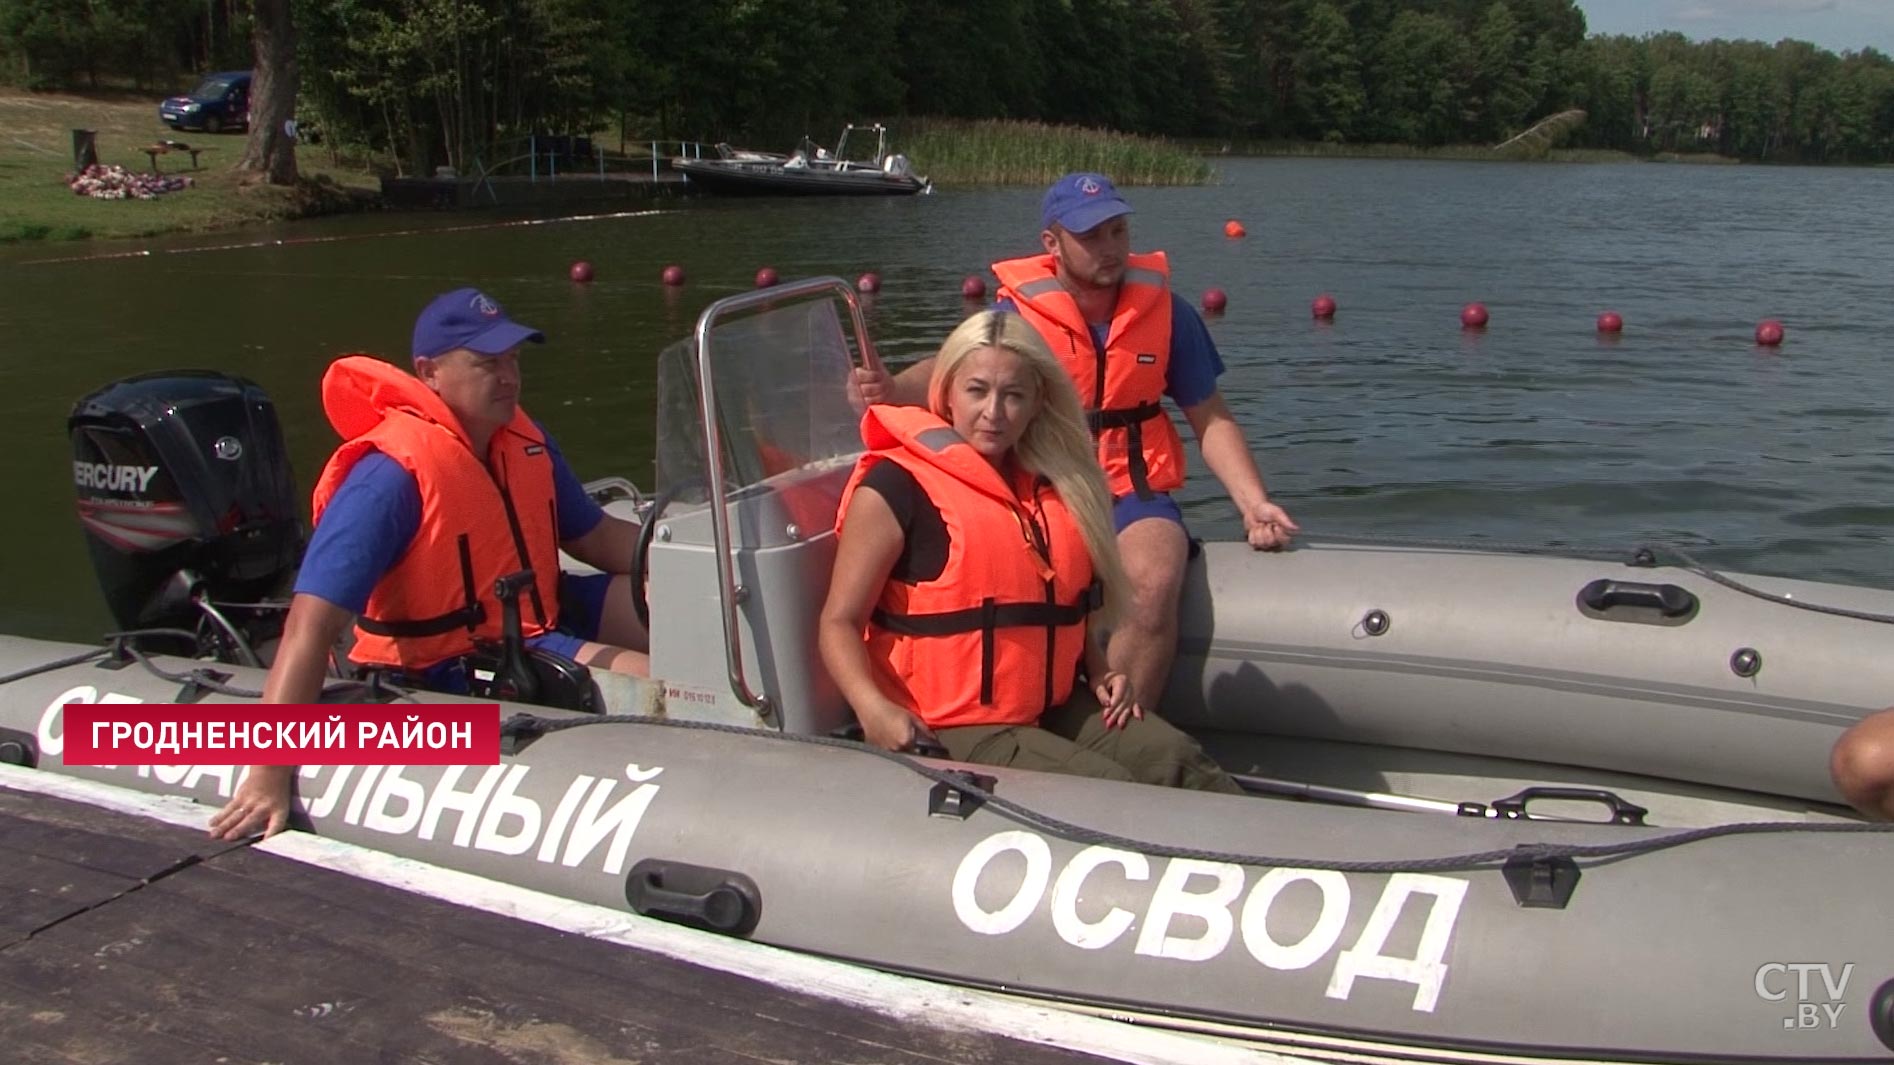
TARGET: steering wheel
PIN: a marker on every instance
(641, 555)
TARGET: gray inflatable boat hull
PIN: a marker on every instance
(1497, 655)
(1302, 925)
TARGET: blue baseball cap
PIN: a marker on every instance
(1079, 202)
(468, 318)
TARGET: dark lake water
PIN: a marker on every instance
(1391, 421)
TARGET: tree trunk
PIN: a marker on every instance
(271, 150)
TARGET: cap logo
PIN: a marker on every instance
(486, 307)
(1088, 186)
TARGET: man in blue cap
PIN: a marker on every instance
(442, 486)
(1128, 341)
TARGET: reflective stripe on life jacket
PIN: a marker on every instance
(1122, 383)
(479, 521)
(1013, 596)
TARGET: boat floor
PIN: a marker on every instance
(128, 940)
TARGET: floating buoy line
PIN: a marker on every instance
(337, 238)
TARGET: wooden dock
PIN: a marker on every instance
(128, 940)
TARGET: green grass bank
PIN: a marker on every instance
(36, 155)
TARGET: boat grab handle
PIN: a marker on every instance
(700, 896)
(1667, 599)
(1513, 807)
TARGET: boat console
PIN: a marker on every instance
(736, 591)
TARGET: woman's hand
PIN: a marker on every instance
(895, 728)
(261, 804)
(1117, 703)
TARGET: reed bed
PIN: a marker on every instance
(1000, 152)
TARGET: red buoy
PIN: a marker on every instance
(1769, 332)
(973, 288)
(674, 274)
(581, 272)
(1214, 300)
(766, 277)
(1323, 307)
(868, 282)
(1473, 316)
(1234, 229)
(1610, 322)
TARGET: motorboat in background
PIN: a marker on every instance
(810, 170)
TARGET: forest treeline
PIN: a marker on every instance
(441, 81)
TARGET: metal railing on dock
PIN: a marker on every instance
(541, 168)
(566, 158)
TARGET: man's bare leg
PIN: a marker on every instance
(623, 645)
(1145, 641)
(1862, 765)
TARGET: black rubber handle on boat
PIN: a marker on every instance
(513, 679)
(1667, 599)
(19, 748)
(1513, 807)
(701, 896)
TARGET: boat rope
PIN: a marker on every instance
(116, 645)
(1643, 556)
(120, 645)
(48, 667)
(210, 681)
(202, 678)
(525, 725)
(1735, 585)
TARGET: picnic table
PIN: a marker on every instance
(156, 150)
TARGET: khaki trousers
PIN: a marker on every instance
(1072, 738)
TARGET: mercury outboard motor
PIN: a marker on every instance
(189, 506)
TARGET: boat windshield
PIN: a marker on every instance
(780, 393)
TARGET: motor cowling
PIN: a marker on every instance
(185, 493)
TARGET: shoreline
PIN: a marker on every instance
(36, 205)
(1455, 153)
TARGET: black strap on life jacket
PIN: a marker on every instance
(519, 540)
(988, 618)
(990, 614)
(1131, 420)
(468, 617)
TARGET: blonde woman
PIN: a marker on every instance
(976, 565)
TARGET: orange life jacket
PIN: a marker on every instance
(996, 638)
(1121, 385)
(479, 521)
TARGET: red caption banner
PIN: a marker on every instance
(262, 734)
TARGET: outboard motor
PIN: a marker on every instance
(189, 506)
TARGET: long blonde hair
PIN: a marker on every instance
(1055, 443)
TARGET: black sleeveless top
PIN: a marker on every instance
(924, 556)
